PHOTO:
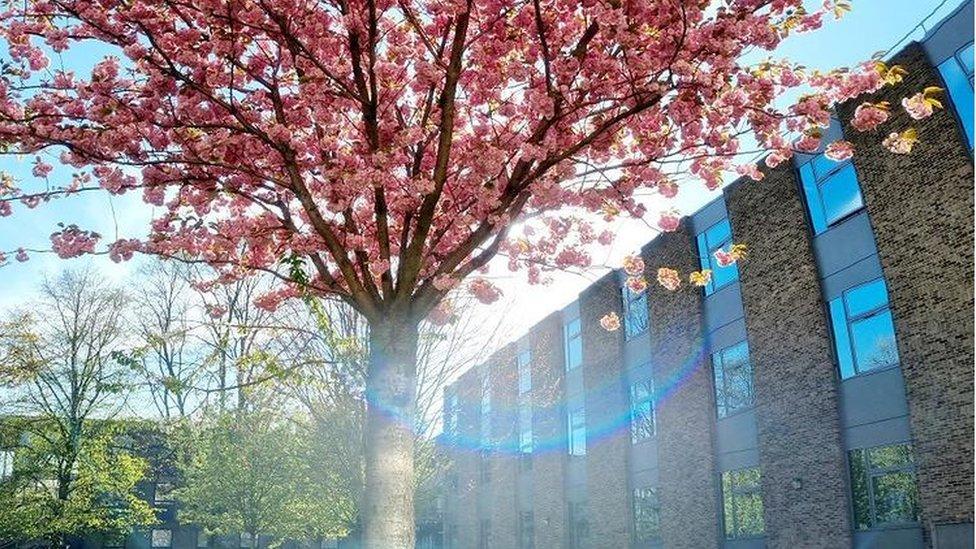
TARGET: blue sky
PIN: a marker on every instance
(872, 26)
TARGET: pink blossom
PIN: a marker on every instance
(868, 116)
(21, 255)
(667, 188)
(484, 291)
(839, 151)
(669, 221)
(633, 265)
(73, 242)
(901, 143)
(723, 258)
(751, 170)
(610, 322)
(636, 284)
(809, 143)
(41, 169)
(668, 278)
(216, 311)
(442, 314)
(123, 249)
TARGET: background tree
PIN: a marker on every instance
(387, 149)
(69, 477)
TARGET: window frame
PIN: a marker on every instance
(706, 256)
(811, 182)
(635, 403)
(735, 494)
(573, 443)
(950, 70)
(568, 339)
(720, 354)
(637, 314)
(655, 505)
(870, 473)
(849, 320)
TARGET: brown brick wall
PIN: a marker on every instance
(608, 440)
(685, 417)
(549, 434)
(793, 369)
(921, 207)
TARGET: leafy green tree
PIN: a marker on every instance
(248, 472)
(99, 495)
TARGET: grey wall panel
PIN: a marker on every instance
(737, 432)
(953, 33)
(574, 386)
(637, 351)
(709, 215)
(844, 244)
(752, 543)
(576, 473)
(889, 431)
(643, 456)
(953, 536)
(571, 311)
(723, 307)
(731, 461)
(644, 477)
(902, 538)
(862, 271)
(873, 397)
(525, 489)
(727, 335)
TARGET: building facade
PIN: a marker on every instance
(818, 394)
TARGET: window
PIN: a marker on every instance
(574, 344)
(831, 190)
(641, 411)
(883, 486)
(717, 237)
(161, 538)
(525, 428)
(247, 540)
(6, 463)
(163, 494)
(452, 411)
(635, 312)
(579, 528)
(203, 538)
(484, 535)
(647, 514)
(733, 379)
(524, 372)
(486, 409)
(864, 332)
(484, 468)
(957, 72)
(526, 530)
(742, 504)
(577, 431)
(113, 541)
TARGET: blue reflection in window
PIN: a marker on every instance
(717, 237)
(957, 72)
(524, 372)
(733, 379)
(635, 312)
(573, 343)
(577, 431)
(831, 190)
(864, 332)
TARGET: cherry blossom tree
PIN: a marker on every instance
(385, 151)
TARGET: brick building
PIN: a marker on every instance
(819, 394)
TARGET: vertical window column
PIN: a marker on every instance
(715, 238)
(647, 514)
(577, 430)
(573, 343)
(733, 379)
(635, 312)
(642, 417)
(864, 331)
(957, 73)
(525, 406)
(742, 504)
(883, 486)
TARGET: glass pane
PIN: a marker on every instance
(812, 193)
(859, 491)
(635, 313)
(162, 538)
(525, 371)
(822, 166)
(874, 342)
(842, 341)
(866, 298)
(728, 508)
(883, 457)
(961, 92)
(718, 233)
(749, 514)
(647, 522)
(965, 57)
(722, 275)
(577, 432)
(840, 194)
(718, 370)
(738, 386)
(895, 498)
(574, 345)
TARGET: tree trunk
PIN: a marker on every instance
(387, 511)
